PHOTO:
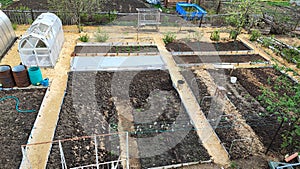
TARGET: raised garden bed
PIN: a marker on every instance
(289, 53)
(180, 46)
(115, 50)
(81, 117)
(16, 127)
(219, 59)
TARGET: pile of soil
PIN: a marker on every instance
(15, 127)
(180, 46)
(182, 59)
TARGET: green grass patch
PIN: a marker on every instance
(5, 3)
(279, 3)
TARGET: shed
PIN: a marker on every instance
(43, 41)
(7, 34)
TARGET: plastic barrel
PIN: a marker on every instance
(6, 77)
(35, 75)
(21, 76)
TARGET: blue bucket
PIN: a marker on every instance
(45, 82)
(35, 75)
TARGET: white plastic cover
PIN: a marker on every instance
(7, 34)
(43, 41)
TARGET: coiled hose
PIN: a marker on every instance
(17, 104)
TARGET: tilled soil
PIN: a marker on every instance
(89, 108)
(218, 59)
(255, 114)
(180, 46)
(164, 132)
(15, 127)
(225, 129)
(114, 49)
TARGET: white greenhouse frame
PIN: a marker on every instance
(43, 41)
(7, 34)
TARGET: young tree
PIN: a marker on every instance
(241, 15)
(74, 8)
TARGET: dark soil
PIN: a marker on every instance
(244, 95)
(82, 115)
(16, 127)
(225, 129)
(161, 121)
(115, 49)
(123, 6)
(180, 46)
(218, 59)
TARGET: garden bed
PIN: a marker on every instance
(80, 118)
(180, 46)
(225, 130)
(218, 59)
(161, 122)
(16, 127)
(117, 50)
(245, 95)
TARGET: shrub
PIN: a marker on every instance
(101, 36)
(169, 37)
(84, 38)
(215, 35)
(255, 34)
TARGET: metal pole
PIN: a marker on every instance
(127, 151)
(62, 156)
(275, 135)
(96, 151)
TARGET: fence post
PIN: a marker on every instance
(32, 15)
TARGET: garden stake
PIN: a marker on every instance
(275, 134)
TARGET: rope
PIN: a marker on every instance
(17, 104)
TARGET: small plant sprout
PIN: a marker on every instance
(215, 35)
(169, 37)
(101, 36)
(84, 38)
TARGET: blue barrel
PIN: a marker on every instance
(35, 75)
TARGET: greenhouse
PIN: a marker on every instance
(7, 34)
(42, 43)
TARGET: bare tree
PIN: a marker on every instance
(73, 8)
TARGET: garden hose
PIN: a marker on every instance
(17, 104)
